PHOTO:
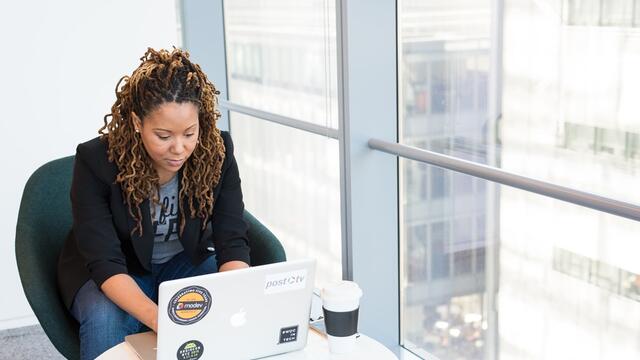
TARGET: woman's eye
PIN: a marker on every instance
(189, 135)
(163, 137)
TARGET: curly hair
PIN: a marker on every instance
(164, 76)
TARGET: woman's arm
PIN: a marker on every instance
(125, 292)
(93, 224)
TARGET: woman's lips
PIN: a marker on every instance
(175, 163)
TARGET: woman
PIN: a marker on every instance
(153, 198)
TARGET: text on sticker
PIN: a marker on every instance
(292, 280)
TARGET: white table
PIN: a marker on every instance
(317, 348)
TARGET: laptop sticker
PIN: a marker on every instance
(288, 334)
(288, 281)
(189, 305)
(191, 350)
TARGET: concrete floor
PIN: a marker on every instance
(27, 342)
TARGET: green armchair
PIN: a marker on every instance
(43, 223)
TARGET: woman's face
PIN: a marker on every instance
(169, 134)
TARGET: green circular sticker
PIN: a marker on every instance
(191, 350)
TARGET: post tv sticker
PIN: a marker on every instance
(288, 281)
(191, 350)
(189, 305)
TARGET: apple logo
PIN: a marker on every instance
(239, 319)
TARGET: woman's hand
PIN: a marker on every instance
(233, 265)
(154, 321)
(125, 292)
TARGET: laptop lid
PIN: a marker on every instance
(241, 314)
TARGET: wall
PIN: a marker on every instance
(59, 66)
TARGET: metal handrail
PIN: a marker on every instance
(282, 120)
(582, 198)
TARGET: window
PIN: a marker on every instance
(281, 59)
(293, 187)
(486, 271)
(558, 109)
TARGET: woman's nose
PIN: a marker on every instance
(178, 147)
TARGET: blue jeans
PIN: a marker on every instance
(103, 324)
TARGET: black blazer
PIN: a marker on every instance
(100, 243)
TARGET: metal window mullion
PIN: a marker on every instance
(492, 202)
(204, 38)
(343, 139)
(226, 114)
(370, 110)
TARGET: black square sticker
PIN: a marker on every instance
(288, 334)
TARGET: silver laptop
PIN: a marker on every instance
(241, 314)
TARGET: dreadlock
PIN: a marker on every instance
(163, 77)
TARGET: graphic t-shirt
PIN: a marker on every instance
(166, 225)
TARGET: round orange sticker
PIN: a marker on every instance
(189, 305)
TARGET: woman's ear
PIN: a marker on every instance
(137, 123)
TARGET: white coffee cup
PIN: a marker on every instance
(340, 305)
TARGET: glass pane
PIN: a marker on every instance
(559, 274)
(583, 12)
(281, 57)
(617, 12)
(562, 107)
(444, 76)
(290, 182)
(569, 101)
